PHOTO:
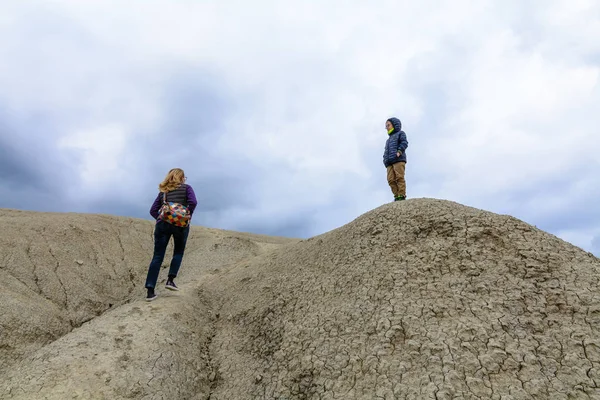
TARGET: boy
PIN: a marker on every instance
(394, 157)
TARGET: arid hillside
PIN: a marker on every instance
(61, 270)
(421, 299)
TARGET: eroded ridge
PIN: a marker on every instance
(61, 270)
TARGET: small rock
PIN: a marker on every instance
(79, 262)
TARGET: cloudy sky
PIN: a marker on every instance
(276, 111)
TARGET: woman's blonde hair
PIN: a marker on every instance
(172, 181)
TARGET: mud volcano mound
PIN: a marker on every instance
(414, 300)
(422, 299)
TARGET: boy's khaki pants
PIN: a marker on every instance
(395, 177)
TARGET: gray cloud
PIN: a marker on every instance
(33, 174)
(279, 125)
(15, 168)
(192, 137)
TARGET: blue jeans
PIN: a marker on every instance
(162, 234)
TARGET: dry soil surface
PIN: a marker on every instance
(421, 299)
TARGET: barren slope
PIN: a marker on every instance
(422, 299)
(60, 270)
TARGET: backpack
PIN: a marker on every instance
(174, 213)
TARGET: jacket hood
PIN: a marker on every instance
(396, 123)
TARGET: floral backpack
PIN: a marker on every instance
(174, 213)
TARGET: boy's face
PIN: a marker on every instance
(388, 125)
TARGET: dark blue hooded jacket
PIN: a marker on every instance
(395, 142)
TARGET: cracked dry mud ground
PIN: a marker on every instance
(422, 299)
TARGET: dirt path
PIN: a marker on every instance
(156, 350)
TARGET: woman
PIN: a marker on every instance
(177, 191)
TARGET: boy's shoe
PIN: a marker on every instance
(398, 198)
(171, 285)
(151, 295)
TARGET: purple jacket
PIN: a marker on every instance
(191, 202)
